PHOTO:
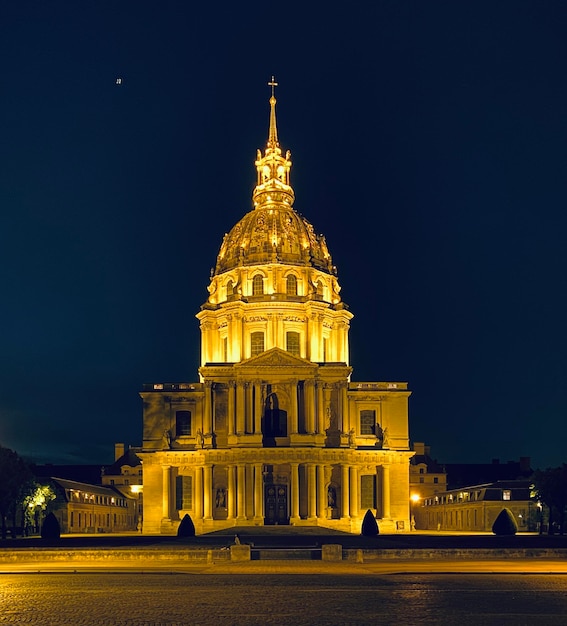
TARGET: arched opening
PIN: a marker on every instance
(274, 421)
(258, 285)
(291, 285)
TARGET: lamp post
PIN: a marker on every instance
(540, 511)
(414, 499)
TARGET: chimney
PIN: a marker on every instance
(118, 450)
(419, 447)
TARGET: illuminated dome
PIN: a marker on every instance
(273, 233)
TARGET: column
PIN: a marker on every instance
(231, 496)
(207, 410)
(311, 491)
(345, 408)
(310, 406)
(249, 410)
(345, 491)
(320, 409)
(258, 407)
(198, 502)
(207, 492)
(321, 493)
(294, 409)
(231, 412)
(386, 491)
(294, 491)
(354, 491)
(166, 490)
(240, 408)
(241, 492)
(258, 490)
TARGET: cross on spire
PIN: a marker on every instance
(273, 85)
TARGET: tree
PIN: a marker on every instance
(369, 525)
(551, 489)
(35, 504)
(50, 529)
(15, 481)
(505, 524)
(186, 527)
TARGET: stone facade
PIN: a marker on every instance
(474, 508)
(275, 432)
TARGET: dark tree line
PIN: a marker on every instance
(551, 489)
(16, 482)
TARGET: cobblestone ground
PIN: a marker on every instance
(191, 599)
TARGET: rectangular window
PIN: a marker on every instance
(368, 492)
(506, 494)
(182, 423)
(435, 479)
(256, 343)
(367, 422)
(183, 492)
(292, 343)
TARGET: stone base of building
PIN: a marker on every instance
(348, 525)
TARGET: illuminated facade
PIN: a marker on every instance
(275, 432)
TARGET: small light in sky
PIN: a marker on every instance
(118, 81)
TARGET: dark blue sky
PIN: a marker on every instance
(429, 145)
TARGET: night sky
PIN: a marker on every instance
(429, 145)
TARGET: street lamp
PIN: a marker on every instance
(540, 510)
(414, 499)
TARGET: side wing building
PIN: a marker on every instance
(275, 431)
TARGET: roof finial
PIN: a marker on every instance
(273, 85)
(273, 134)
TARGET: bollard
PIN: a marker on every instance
(240, 552)
(331, 552)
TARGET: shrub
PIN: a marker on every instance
(505, 524)
(186, 527)
(369, 525)
(50, 529)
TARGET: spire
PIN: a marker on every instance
(272, 187)
(273, 133)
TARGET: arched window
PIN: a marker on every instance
(182, 423)
(292, 343)
(229, 289)
(257, 285)
(291, 285)
(256, 343)
(319, 288)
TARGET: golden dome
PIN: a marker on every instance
(273, 232)
(273, 235)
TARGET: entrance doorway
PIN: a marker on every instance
(275, 501)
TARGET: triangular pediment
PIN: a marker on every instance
(276, 357)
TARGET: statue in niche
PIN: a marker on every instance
(331, 497)
(220, 499)
(328, 417)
